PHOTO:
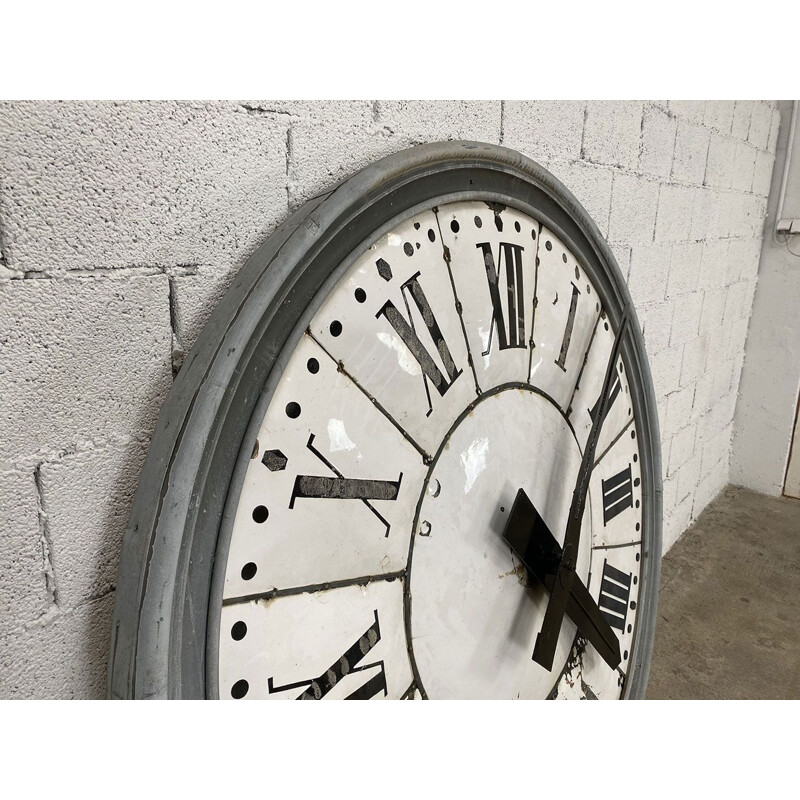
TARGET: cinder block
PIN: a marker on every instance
(723, 380)
(656, 322)
(674, 216)
(714, 264)
(742, 112)
(734, 303)
(633, 209)
(721, 157)
(82, 359)
(749, 294)
(612, 133)
(679, 409)
(743, 258)
(710, 486)
(649, 272)
(194, 298)
(737, 336)
(691, 150)
(23, 588)
(692, 110)
(665, 367)
(658, 142)
(773, 131)
(669, 495)
(695, 358)
(743, 166)
(688, 476)
(686, 321)
(591, 186)
(681, 447)
(762, 175)
(684, 268)
(703, 395)
(331, 140)
(544, 129)
(713, 310)
(715, 449)
(65, 656)
(676, 522)
(719, 115)
(760, 124)
(110, 184)
(431, 120)
(88, 496)
(704, 211)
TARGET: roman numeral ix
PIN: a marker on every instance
(346, 664)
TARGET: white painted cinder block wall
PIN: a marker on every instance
(121, 224)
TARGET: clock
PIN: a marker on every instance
(414, 454)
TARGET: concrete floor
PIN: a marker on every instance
(729, 610)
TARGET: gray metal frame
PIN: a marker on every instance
(169, 589)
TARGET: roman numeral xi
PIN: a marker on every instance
(405, 330)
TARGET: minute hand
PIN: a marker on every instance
(546, 641)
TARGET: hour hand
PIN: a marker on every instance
(530, 538)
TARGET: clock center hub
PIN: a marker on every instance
(473, 622)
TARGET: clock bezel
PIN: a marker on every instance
(166, 619)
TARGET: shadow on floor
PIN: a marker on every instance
(729, 610)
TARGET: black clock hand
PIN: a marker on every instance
(546, 641)
(530, 538)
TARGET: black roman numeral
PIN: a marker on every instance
(340, 488)
(615, 591)
(573, 306)
(405, 330)
(617, 494)
(346, 664)
(511, 333)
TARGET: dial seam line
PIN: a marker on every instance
(313, 588)
(446, 258)
(613, 442)
(340, 366)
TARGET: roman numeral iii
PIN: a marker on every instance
(615, 591)
(617, 494)
(510, 333)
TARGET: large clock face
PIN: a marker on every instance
(464, 359)
(413, 454)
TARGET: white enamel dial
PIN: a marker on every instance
(460, 358)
